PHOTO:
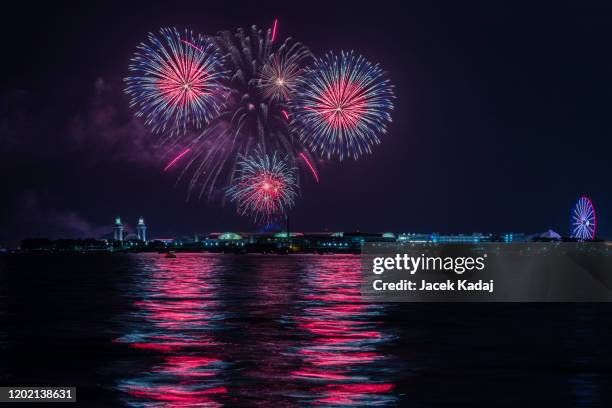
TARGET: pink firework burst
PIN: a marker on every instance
(177, 81)
(342, 105)
(182, 84)
(265, 186)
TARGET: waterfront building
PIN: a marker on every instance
(228, 236)
(447, 239)
(414, 237)
(141, 230)
(118, 230)
(509, 237)
(461, 238)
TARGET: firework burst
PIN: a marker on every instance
(177, 81)
(265, 186)
(251, 93)
(342, 104)
(278, 76)
(251, 116)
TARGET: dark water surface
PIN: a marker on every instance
(266, 330)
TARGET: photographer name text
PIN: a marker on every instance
(461, 285)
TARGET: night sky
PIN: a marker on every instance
(502, 118)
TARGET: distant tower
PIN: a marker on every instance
(141, 229)
(118, 230)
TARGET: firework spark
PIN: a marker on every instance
(177, 81)
(342, 104)
(177, 158)
(265, 186)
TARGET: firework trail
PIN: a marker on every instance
(265, 186)
(310, 166)
(251, 116)
(274, 27)
(177, 158)
(176, 81)
(342, 104)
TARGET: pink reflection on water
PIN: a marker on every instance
(272, 285)
(299, 333)
(178, 396)
(343, 338)
(321, 358)
(347, 394)
(179, 307)
(189, 366)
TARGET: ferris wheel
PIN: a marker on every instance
(583, 221)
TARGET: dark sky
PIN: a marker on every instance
(502, 120)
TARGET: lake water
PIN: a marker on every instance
(206, 330)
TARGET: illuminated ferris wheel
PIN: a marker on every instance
(583, 220)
